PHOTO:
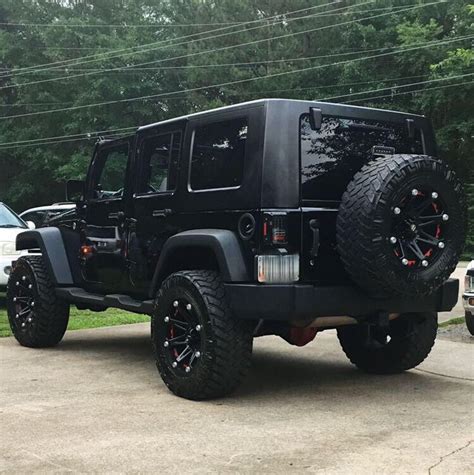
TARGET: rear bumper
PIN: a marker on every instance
(296, 302)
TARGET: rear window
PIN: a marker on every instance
(218, 155)
(332, 155)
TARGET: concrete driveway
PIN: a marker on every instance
(96, 404)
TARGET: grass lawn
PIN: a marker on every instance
(80, 319)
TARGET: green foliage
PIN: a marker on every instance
(34, 175)
(81, 319)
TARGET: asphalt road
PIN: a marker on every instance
(96, 404)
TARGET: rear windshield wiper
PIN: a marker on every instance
(368, 127)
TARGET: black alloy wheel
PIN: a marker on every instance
(418, 226)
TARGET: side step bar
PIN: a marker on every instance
(77, 295)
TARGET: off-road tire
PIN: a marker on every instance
(49, 316)
(226, 341)
(470, 322)
(412, 337)
(366, 218)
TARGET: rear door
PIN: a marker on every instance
(155, 201)
(107, 188)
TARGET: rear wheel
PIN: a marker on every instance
(410, 339)
(201, 350)
(37, 317)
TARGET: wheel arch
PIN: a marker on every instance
(51, 245)
(216, 249)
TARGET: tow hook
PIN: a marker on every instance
(378, 329)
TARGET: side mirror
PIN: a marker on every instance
(75, 190)
(31, 225)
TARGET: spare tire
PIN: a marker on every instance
(401, 225)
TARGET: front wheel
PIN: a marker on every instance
(37, 317)
(410, 339)
(201, 350)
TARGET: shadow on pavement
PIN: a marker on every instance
(278, 370)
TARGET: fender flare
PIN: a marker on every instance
(51, 245)
(223, 243)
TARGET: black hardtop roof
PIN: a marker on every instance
(274, 102)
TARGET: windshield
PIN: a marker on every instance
(8, 219)
(331, 156)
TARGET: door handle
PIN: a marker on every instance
(314, 226)
(161, 212)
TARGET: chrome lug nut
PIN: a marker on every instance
(405, 262)
(17, 315)
(414, 192)
(23, 325)
(30, 319)
(393, 240)
(424, 263)
(174, 364)
(32, 304)
(188, 306)
(166, 344)
(198, 328)
(198, 354)
(397, 210)
(17, 283)
(445, 217)
(30, 286)
(167, 319)
(188, 369)
(23, 278)
(175, 303)
(441, 245)
(434, 195)
(14, 299)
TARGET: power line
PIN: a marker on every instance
(411, 92)
(228, 83)
(112, 133)
(401, 86)
(131, 69)
(131, 49)
(198, 53)
(40, 104)
(151, 25)
(231, 46)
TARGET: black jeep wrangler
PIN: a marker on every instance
(269, 217)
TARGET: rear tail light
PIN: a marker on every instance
(278, 268)
(275, 228)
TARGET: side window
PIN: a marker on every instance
(218, 155)
(110, 173)
(159, 162)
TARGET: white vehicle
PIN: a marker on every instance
(10, 226)
(468, 297)
(42, 214)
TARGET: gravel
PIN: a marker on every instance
(458, 333)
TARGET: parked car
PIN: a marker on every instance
(10, 226)
(273, 217)
(468, 297)
(42, 215)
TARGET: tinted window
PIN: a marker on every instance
(110, 172)
(160, 155)
(218, 155)
(36, 217)
(332, 155)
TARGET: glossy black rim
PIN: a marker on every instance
(183, 336)
(23, 303)
(418, 228)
